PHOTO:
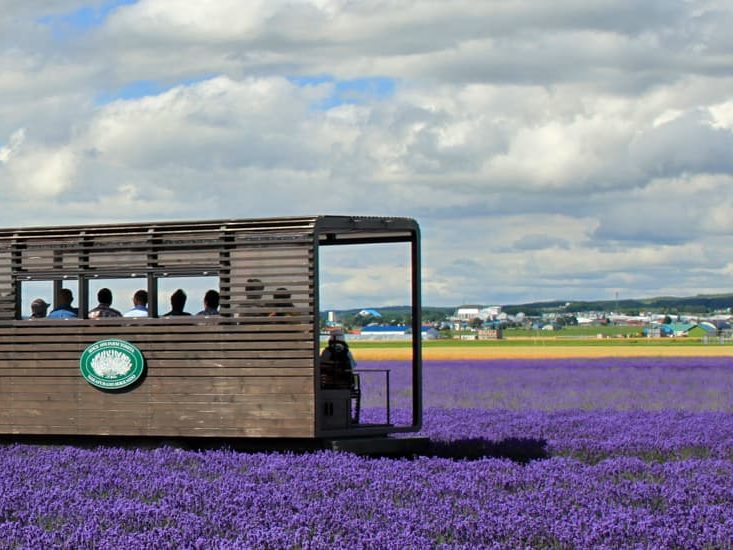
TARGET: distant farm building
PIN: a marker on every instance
(490, 333)
(683, 329)
(491, 312)
(467, 313)
(384, 332)
(715, 326)
(392, 332)
(679, 330)
(430, 333)
(370, 313)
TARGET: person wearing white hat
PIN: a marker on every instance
(39, 307)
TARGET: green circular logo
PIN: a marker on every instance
(111, 364)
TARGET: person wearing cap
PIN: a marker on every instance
(337, 351)
(39, 307)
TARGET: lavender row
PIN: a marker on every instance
(586, 435)
(692, 384)
(66, 497)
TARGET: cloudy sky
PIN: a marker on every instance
(565, 149)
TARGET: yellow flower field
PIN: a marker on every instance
(541, 352)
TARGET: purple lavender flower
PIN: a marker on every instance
(67, 497)
(638, 453)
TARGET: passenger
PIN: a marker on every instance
(211, 303)
(139, 304)
(282, 297)
(64, 310)
(104, 309)
(254, 290)
(39, 307)
(337, 351)
(178, 302)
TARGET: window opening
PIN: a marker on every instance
(194, 288)
(31, 291)
(122, 293)
(365, 291)
(48, 292)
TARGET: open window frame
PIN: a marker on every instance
(111, 254)
(363, 231)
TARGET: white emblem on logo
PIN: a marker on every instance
(111, 363)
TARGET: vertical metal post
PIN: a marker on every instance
(389, 404)
(83, 297)
(16, 264)
(57, 286)
(316, 312)
(152, 264)
(17, 292)
(85, 242)
(225, 271)
(152, 286)
(416, 331)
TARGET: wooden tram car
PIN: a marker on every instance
(254, 371)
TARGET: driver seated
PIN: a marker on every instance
(337, 350)
(337, 355)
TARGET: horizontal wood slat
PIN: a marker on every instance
(228, 385)
(197, 408)
(158, 327)
(296, 284)
(208, 347)
(209, 360)
(138, 338)
(264, 428)
(69, 368)
(280, 271)
(282, 404)
(262, 321)
(213, 227)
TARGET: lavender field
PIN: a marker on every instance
(560, 454)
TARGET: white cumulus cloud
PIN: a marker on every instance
(570, 150)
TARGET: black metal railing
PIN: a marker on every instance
(387, 399)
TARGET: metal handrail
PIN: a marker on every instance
(387, 396)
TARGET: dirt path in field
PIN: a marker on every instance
(541, 352)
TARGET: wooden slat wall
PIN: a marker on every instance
(247, 374)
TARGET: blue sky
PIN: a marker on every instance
(145, 88)
(85, 17)
(68, 25)
(350, 91)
